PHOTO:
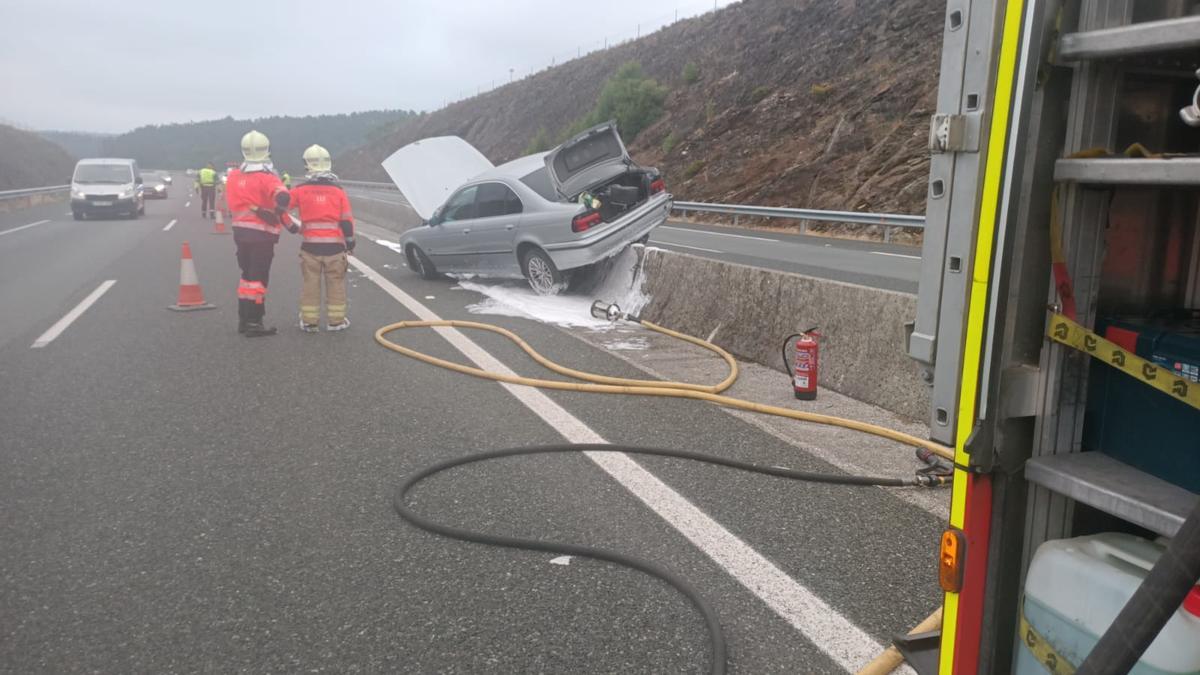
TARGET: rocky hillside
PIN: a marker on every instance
(28, 160)
(807, 103)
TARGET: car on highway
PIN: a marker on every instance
(107, 186)
(154, 185)
(166, 176)
(545, 217)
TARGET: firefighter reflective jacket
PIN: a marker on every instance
(208, 177)
(323, 207)
(252, 197)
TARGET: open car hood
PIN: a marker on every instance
(429, 170)
(588, 158)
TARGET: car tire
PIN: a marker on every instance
(78, 215)
(541, 273)
(420, 263)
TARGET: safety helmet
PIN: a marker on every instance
(256, 147)
(317, 159)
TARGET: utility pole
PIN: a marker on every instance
(510, 74)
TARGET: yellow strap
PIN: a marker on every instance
(1067, 332)
(1043, 650)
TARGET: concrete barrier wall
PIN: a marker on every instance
(749, 311)
(17, 203)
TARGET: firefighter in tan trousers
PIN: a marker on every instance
(327, 226)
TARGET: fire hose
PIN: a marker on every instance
(596, 383)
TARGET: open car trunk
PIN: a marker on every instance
(596, 162)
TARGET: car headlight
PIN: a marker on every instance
(76, 194)
(158, 188)
(126, 194)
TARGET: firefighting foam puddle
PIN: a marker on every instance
(394, 245)
(515, 298)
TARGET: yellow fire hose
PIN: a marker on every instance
(602, 384)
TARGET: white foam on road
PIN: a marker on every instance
(831, 632)
(394, 245)
(621, 283)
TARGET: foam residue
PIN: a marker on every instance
(394, 245)
(620, 282)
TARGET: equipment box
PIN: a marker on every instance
(1138, 424)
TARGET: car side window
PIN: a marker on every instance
(496, 199)
(461, 206)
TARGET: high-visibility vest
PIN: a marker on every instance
(247, 191)
(208, 177)
(322, 207)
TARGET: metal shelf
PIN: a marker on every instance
(1100, 481)
(1132, 40)
(1123, 171)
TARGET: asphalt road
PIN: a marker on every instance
(878, 265)
(178, 498)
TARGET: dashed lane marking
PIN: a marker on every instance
(23, 227)
(715, 234)
(694, 248)
(844, 642)
(897, 255)
(169, 226)
(65, 322)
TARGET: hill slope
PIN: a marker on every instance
(78, 143)
(27, 160)
(807, 103)
(190, 145)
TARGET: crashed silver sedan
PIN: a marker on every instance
(544, 217)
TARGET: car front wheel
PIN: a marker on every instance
(420, 263)
(544, 278)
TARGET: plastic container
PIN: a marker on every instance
(1076, 587)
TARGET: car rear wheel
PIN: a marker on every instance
(420, 263)
(544, 278)
(78, 215)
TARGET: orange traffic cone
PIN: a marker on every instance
(219, 223)
(191, 298)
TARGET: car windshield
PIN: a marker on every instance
(116, 174)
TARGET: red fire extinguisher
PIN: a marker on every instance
(804, 377)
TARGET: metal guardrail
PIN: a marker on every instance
(10, 194)
(888, 221)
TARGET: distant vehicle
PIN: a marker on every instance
(544, 217)
(107, 187)
(154, 184)
(166, 176)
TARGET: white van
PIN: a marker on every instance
(107, 187)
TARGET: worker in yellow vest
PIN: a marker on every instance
(206, 180)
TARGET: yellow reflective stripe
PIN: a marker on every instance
(1006, 75)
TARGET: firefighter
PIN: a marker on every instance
(259, 204)
(327, 225)
(206, 180)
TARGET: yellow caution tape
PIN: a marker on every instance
(1067, 332)
(1043, 650)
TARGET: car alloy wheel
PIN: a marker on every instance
(543, 278)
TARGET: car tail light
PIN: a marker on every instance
(657, 186)
(584, 221)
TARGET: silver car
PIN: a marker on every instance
(543, 217)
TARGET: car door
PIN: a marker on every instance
(448, 247)
(497, 216)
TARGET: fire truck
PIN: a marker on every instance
(1057, 320)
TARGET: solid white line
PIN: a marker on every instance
(841, 640)
(23, 227)
(694, 248)
(169, 226)
(897, 255)
(67, 320)
(715, 234)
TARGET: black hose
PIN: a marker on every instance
(717, 636)
(1152, 605)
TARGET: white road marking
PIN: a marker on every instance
(63, 323)
(23, 227)
(837, 636)
(694, 248)
(561, 560)
(169, 226)
(186, 204)
(715, 234)
(897, 255)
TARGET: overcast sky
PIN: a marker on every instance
(93, 65)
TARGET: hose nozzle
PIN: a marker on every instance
(604, 310)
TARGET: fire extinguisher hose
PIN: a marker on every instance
(603, 384)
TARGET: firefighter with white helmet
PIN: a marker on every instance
(327, 226)
(259, 203)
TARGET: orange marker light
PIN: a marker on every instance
(950, 560)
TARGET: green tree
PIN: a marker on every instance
(632, 99)
(691, 73)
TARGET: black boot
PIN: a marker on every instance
(259, 330)
(242, 326)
